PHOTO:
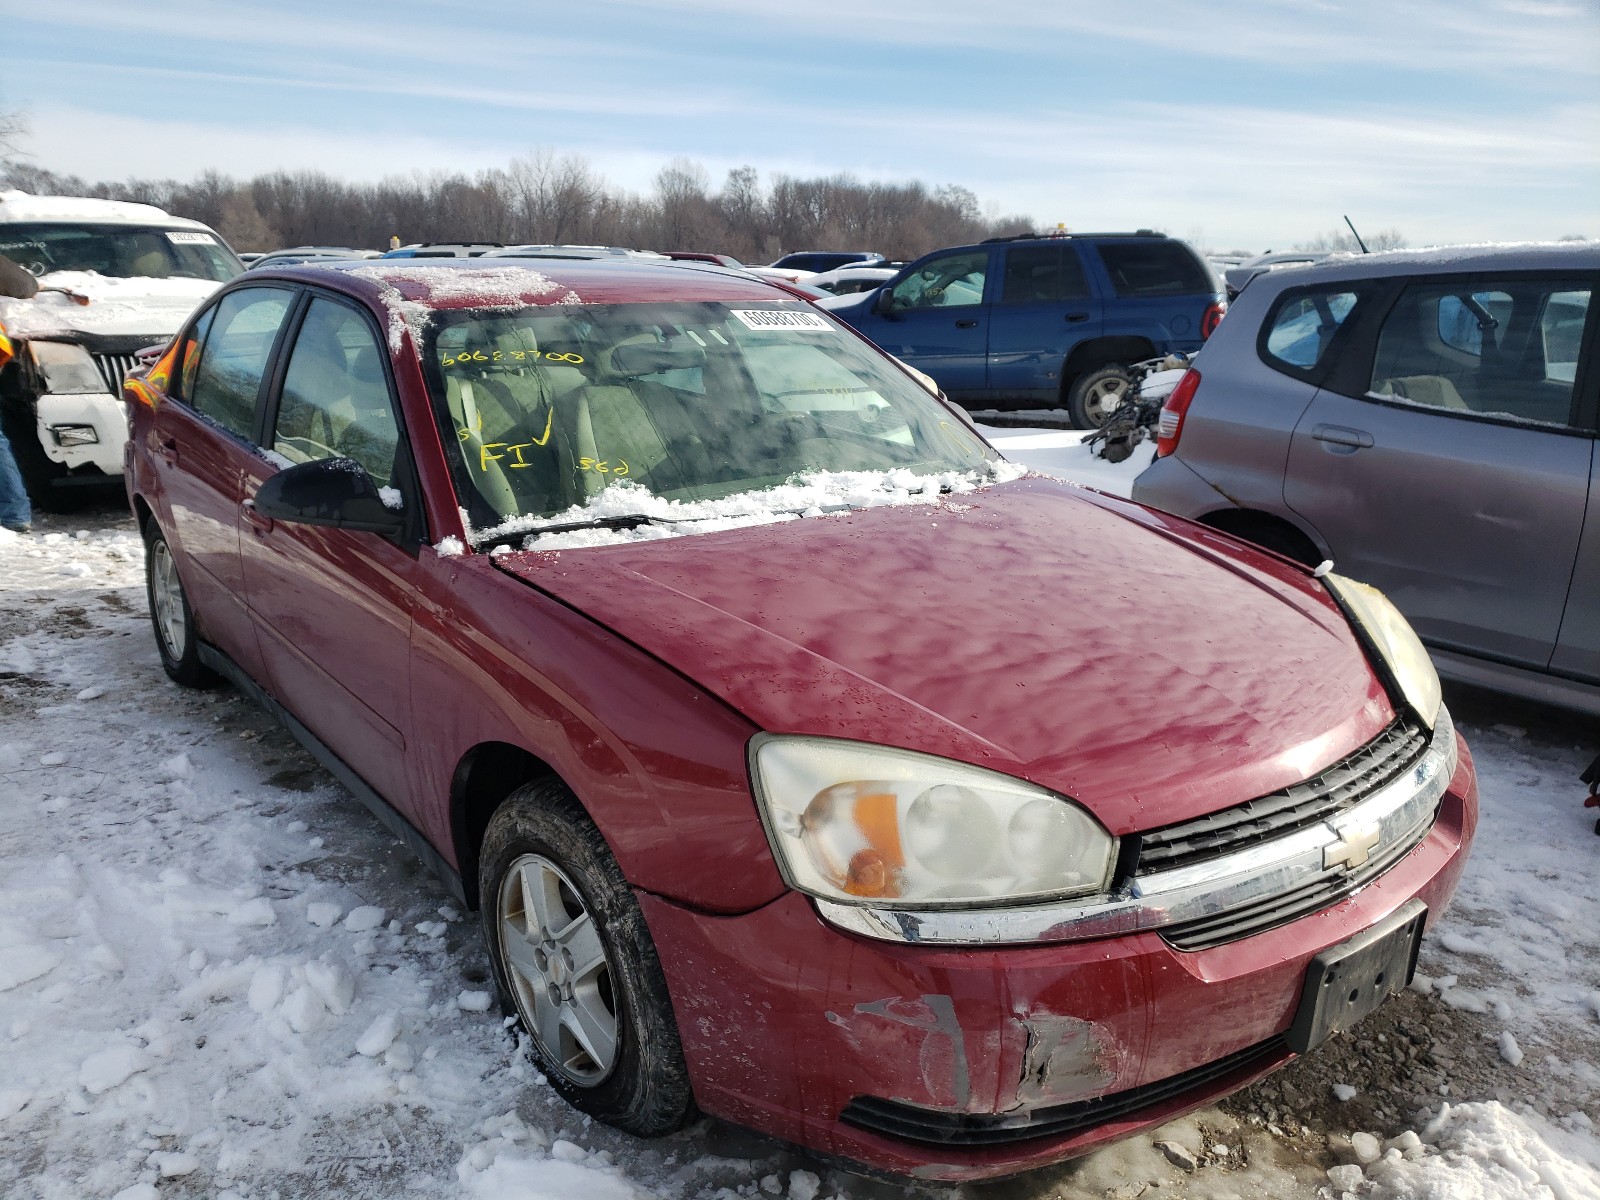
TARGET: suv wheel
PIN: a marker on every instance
(1094, 396)
(170, 614)
(575, 964)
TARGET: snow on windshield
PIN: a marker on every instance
(814, 494)
(411, 308)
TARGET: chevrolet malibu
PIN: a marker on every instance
(777, 728)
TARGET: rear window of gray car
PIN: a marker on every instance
(1154, 269)
(1302, 326)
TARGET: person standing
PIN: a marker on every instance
(15, 512)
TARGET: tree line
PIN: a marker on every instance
(559, 198)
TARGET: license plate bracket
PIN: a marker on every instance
(1346, 982)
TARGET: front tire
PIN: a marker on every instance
(170, 614)
(1095, 395)
(574, 962)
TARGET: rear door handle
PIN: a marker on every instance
(1076, 317)
(1356, 439)
(167, 449)
(966, 322)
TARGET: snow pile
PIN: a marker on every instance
(1486, 1151)
(126, 307)
(809, 494)
(409, 294)
(1062, 453)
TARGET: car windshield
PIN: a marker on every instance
(119, 251)
(546, 407)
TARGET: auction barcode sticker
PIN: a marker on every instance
(181, 238)
(771, 318)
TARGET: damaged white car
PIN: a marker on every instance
(108, 280)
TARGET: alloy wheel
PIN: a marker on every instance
(166, 593)
(558, 970)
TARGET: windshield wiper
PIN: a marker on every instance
(616, 521)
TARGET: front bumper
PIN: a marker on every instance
(833, 1040)
(83, 430)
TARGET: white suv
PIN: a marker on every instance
(112, 279)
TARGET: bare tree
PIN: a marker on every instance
(547, 198)
(1334, 239)
(12, 128)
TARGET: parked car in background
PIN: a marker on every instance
(817, 261)
(113, 279)
(294, 255)
(847, 281)
(784, 791)
(1242, 272)
(719, 260)
(1030, 322)
(572, 252)
(1425, 419)
(443, 250)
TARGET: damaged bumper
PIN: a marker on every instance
(959, 1063)
(83, 430)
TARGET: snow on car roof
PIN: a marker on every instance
(1488, 256)
(410, 291)
(17, 207)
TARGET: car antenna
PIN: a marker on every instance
(1359, 242)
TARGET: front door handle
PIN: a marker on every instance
(966, 322)
(259, 521)
(1076, 317)
(167, 450)
(1356, 439)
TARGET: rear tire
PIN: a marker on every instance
(574, 963)
(170, 615)
(1095, 395)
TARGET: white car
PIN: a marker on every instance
(846, 281)
(112, 278)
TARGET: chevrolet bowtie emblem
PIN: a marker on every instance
(1354, 844)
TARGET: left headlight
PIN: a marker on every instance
(864, 824)
(1394, 642)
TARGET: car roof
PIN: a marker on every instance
(21, 207)
(487, 282)
(1499, 256)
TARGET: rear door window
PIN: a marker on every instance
(1042, 274)
(1154, 268)
(1502, 349)
(227, 383)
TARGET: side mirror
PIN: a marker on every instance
(883, 302)
(330, 491)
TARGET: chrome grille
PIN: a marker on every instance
(1337, 788)
(114, 368)
(1316, 894)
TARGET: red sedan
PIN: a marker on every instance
(810, 766)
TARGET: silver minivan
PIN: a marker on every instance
(1427, 420)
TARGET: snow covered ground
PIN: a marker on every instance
(220, 978)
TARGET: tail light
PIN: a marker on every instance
(1170, 427)
(1213, 318)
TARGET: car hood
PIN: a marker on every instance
(1144, 666)
(153, 308)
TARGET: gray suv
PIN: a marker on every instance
(1427, 420)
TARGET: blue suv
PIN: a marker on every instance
(1029, 322)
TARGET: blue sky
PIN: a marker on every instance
(1236, 123)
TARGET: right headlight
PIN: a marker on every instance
(863, 824)
(67, 368)
(1400, 653)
